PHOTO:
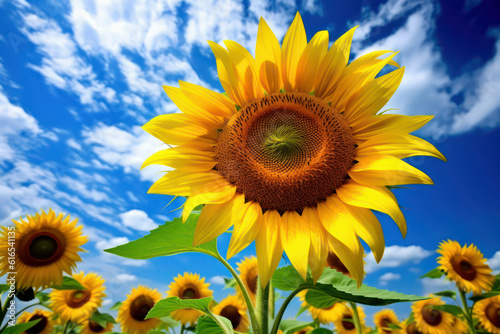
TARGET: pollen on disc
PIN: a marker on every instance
(286, 151)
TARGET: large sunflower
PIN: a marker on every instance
(78, 305)
(45, 245)
(188, 286)
(234, 309)
(429, 320)
(296, 154)
(92, 327)
(135, 308)
(345, 325)
(488, 312)
(44, 326)
(466, 266)
(325, 315)
(458, 326)
(249, 273)
(383, 318)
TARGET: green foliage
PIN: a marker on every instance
(320, 331)
(292, 326)
(4, 287)
(453, 309)
(214, 325)
(166, 306)
(434, 273)
(20, 328)
(449, 294)
(116, 307)
(393, 326)
(69, 283)
(102, 318)
(229, 283)
(319, 299)
(485, 295)
(43, 298)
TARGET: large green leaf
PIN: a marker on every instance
(171, 238)
(449, 294)
(20, 328)
(214, 325)
(321, 331)
(166, 306)
(292, 326)
(320, 299)
(337, 285)
(485, 295)
(434, 273)
(4, 287)
(102, 318)
(68, 283)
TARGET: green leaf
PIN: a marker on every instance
(166, 306)
(302, 309)
(434, 273)
(453, 309)
(292, 326)
(20, 328)
(116, 307)
(485, 295)
(449, 294)
(214, 325)
(44, 298)
(170, 322)
(69, 283)
(320, 331)
(4, 287)
(102, 318)
(320, 299)
(496, 283)
(171, 238)
(393, 326)
(229, 283)
(287, 279)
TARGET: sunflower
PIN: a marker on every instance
(45, 245)
(429, 320)
(410, 328)
(188, 286)
(458, 326)
(295, 155)
(134, 309)
(92, 327)
(44, 326)
(466, 266)
(383, 318)
(78, 305)
(344, 324)
(488, 312)
(249, 273)
(234, 309)
(304, 330)
(323, 315)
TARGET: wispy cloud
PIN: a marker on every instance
(387, 277)
(397, 256)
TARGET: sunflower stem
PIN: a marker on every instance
(467, 312)
(182, 329)
(10, 296)
(27, 307)
(263, 307)
(355, 317)
(282, 309)
(271, 301)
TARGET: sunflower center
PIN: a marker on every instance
(251, 278)
(95, 327)
(42, 248)
(347, 322)
(231, 312)
(431, 316)
(385, 322)
(40, 326)
(286, 151)
(78, 298)
(334, 262)
(140, 307)
(190, 293)
(493, 314)
(412, 329)
(464, 268)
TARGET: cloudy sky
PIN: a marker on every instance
(79, 78)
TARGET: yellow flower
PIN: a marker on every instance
(234, 309)
(466, 266)
(44, 326)
(323, 315)
(92, 327)
(429, 320)
(458, 326)
(188, 286)
(249, 273)
(383, 318)
(345, 325)
(409, 328)
(134, 309)
(45, 245)
(488, 312)
(78, 305)
(302, 160)
(304, 330)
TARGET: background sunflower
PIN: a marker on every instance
(44, 326)
(92, 327)
(429, 320)
(383, 318)
(234, 309)
(323, 315)
(487, 311)
(249, 271)
(134, 309)
(345, 325)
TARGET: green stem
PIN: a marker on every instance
(467, 312)
(66, 327)
(263, 306)
(271, 301)
(355, 317)
(27, 307)
(283, 307)
(182, 329)
(6, 306)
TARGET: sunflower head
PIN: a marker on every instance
(44, 326)
(344, 324)
(304, 330)
(487, 311)
(296, 154)
(92, 327)
(430, 320)
(188, 286)
(458, 326)
(234, 309)
(78, 305)
(133, 311)
(383, 318)
(410, 328)
(466, 266)
(325, 315)
(249, 273)
(46, 246)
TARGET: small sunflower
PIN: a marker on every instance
(304, 330)
(135, 308)
(429, 320)
(234, 309)
(383, 318)
(458, 326)
(409, 328)
(46, 246)
(92, 327)
(323, 315)
(296, 154)
(78, 305)
(188, 286)
(249, 274)
(466, 266)
(488, 312)
(344, 324)
(44, 326)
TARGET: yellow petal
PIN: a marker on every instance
(397, 145)
(294, 43)
(180, 183)
(338, 221)
(388, 123)
(268, 246)
(210, 193)
(246, 228)
(296, 241)
(352, 260)
(311, 58)
(333, 64)
(268, 58)
(375, 198)
(384, 170)
(213, 102)
(318, 252)
(215, 219)
(182, 158)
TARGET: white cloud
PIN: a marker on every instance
(124, 277)
(494, 262)
(433, 285)
(137, 220)
(218, 280)
(110, 243)
(385, 278)
(397, 256)
(312, 6)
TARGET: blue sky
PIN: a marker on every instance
(79, 78)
